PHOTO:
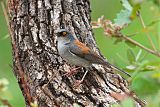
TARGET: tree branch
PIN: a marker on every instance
(112, 30)
(144, 26)
(140, 45)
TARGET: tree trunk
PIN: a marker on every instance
(40, 70)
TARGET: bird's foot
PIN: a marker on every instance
(78, 82)
(72, 72)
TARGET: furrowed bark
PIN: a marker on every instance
(40, 70)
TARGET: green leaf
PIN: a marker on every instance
(158, 33)
(130, 44)
(151, 66)
(153, 100)
(123, 17)
(156, 2)
(131, 67)
(156, 75)
(127, 103)
(117, 41)
(143, 84)
(131, 56)
(154, 22)
(126, 5)
(134, 11)
(138, 55)
(126, 15)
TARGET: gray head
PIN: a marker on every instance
(65, 34)
(62, 32)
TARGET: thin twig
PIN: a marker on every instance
(144, 26)
(140, 45)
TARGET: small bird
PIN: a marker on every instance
(77, 53)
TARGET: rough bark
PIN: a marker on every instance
(40, 70)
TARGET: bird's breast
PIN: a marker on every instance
(71, 58)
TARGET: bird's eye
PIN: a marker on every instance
(64, 33)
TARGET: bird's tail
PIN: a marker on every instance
(107, 63)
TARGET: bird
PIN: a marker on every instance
(77, 53)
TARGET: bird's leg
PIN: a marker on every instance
(78, 82)
(72, 71)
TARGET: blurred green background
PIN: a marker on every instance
(11, 91)
(145, 79)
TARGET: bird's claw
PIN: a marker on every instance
(77, 83)
(72, 72)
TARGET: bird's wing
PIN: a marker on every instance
(84, 52)
(81, 50)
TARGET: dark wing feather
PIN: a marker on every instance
(84, 52)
